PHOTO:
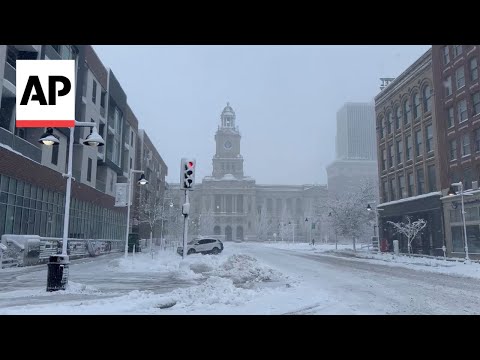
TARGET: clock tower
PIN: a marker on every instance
(227, 161)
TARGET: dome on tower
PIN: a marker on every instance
(228, 110)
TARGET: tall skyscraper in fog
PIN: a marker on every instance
(356, 149)
(355, 138)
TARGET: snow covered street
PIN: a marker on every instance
(246, 278)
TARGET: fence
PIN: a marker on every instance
(24, 250)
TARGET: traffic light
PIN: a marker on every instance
(187, 173)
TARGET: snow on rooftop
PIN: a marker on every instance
(411, 198)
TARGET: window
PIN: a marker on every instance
(384, 191)
(429, 138)
(131, 138)
(239, 203)
(446, 55)
(384, 159)
(380, 127)
(399, 151)
(450, 117)
(420, 182)
(131, 163)
(416, 105)
(467, 178)
(448, 86)
(476, 103)
(389, 122)
(410, 184)
(55, 154)
(11, 57)
(418, 143)
(89, 170)
(392, 189)
(473, 69)
(460, 77)
(466, 144)
(432, 183)
(102, 98)
(391, 162)
(406, 112)
(462, 111)
(94, 92)
(398, 117)
(427, 98)
(401, 186)
(457, 50)
(408, 150)
(452, 145)
(476, 136)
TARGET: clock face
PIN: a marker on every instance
(227, 145)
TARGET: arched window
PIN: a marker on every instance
(398, 117)
(407, 117)
(240, 233)
(389, 122)
(416, 105)
(380, 127)
(427, 98)
(216, 230)
(228, 233)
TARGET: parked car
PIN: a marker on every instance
(202, 246)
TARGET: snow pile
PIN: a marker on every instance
(449, 267)
(214, 291)
(72, 288)
(245, 269)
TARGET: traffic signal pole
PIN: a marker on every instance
(185, 212)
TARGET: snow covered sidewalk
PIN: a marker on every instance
(449, 267)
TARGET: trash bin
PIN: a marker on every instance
(57, 276)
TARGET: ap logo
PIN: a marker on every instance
(45, 93)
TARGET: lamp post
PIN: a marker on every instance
(93, 139)
(377, 232)
(293, 231)
(141, 181)
(451, 192)
(308, 230)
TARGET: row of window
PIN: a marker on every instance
(460, 76)
(462, 110)
(465, 145)
(398, 148)
(457, 51)
(103, 94)
(393, 121)
(398, 188)
(28, 209)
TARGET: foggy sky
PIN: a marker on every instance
(285, 99)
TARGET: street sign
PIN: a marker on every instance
(121, 194)
(45, 93)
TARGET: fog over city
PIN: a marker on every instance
(285, 98)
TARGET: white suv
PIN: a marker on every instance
(203, 246)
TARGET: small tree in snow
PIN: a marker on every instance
(409, 229)
(150, 212)
(347, 212)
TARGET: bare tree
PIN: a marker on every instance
(409, 229)
(347, 212)
(150, 212)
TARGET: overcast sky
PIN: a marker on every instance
(285, 99)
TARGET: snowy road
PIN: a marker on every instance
(244, 279)
(359, 287)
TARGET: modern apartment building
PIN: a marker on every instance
(32, 189)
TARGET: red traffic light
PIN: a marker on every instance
(190, 164)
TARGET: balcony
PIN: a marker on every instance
(20, 145)
(10, 73)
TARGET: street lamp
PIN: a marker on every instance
(376, 210)
(451, 192)
(141, 181)
(94, 139)
(293, 231)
